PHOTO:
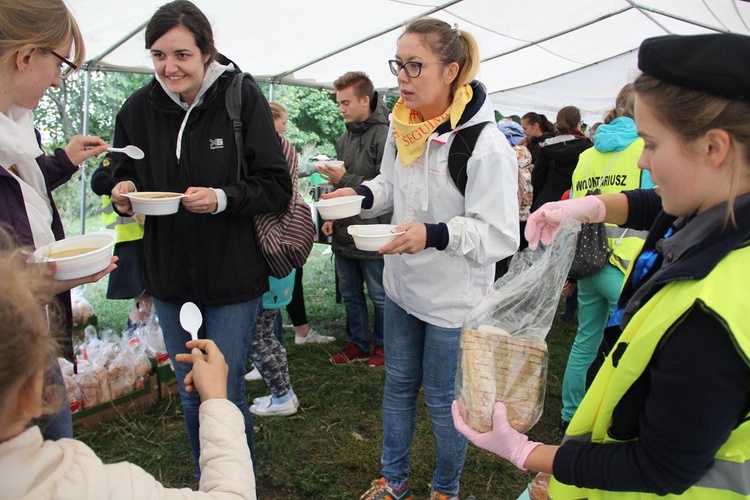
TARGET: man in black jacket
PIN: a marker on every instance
(361, 150)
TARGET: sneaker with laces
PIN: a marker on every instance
(436, 495)
(377, 356)
(266, 400)
(254, 374)
(350, 353)
(379, 490)
(267, 408)
(313, 337)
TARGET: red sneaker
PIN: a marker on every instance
(350, 353)
(377, 356)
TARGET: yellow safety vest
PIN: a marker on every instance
(126, 228)
(617, 171)
(729, 478)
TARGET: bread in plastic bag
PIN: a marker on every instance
(503, 353)
(539, 486)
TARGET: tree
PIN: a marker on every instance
(59, 117)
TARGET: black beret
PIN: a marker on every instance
(718, 64)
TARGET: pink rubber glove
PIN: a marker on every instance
(502, 440)
(542, 224)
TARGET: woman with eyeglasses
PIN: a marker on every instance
(445, 261)
(37, 38)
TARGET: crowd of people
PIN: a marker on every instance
(665, 413)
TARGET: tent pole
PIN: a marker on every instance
(271, 91)
(85, 131)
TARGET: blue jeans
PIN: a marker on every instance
(353, 274)
(597, 297)
(416, 354)
(57, 425)
(231, 327)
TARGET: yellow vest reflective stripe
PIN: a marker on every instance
(729, 478)
(623, 175)
(126, 228)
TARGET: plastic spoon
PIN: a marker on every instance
(134, 152)
(191, 319)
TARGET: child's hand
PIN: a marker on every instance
(209, 374)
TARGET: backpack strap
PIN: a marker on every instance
(461, 150)
(233, 101)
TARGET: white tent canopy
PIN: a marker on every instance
(536, 55)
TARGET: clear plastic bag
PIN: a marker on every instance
(503, 354)
(539, 486)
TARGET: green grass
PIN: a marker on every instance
(331, 448)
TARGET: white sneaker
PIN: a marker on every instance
(313, 337)
(268, 409)
(266, 400)
(254, 374)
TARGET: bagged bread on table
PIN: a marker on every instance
(503, 353)
(93, 381)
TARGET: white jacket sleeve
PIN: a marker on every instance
(382, 185)
(226, 466)
(489, 230)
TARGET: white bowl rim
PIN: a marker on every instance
(134, 196)
(374, 226)
(72, 241)
(341, 200)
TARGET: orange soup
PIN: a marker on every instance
(154, 196)
(69, 252)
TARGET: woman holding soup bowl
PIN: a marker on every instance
(38, 39)
(444, 262)
(207, 252)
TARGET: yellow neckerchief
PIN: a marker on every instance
(411, 130)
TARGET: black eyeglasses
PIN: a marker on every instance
(413, 69)
(68, 69)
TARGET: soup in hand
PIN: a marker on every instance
(69, 252)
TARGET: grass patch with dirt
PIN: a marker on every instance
(331, 448)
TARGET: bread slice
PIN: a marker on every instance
(498, 367)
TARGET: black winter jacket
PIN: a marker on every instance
(553, 171)
(361, 149)
(208, 259)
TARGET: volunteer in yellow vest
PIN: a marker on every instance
(669, 411)
(126, 282)
(611, 166)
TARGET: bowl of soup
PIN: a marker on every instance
(79, 256)
(372, 237)
(155, 202)
(339, 208)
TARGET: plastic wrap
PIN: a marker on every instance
(539, 486)
(503, 354)
(93, 382)
(74, 394)
(82, 309)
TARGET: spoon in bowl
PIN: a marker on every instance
(134, 152)
(191, 319)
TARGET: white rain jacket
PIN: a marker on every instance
(31, 468)
(441, 287)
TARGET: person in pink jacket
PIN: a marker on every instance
(31, 467)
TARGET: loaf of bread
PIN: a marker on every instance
(539, 487)
(498, 367)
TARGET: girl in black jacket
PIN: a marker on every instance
(206, 252)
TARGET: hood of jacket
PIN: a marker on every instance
(512, 131)
(214, 70)
(379, 116)
(565, 148)
(616, 135)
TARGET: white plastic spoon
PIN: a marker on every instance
(134, 152)
(191, 319)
